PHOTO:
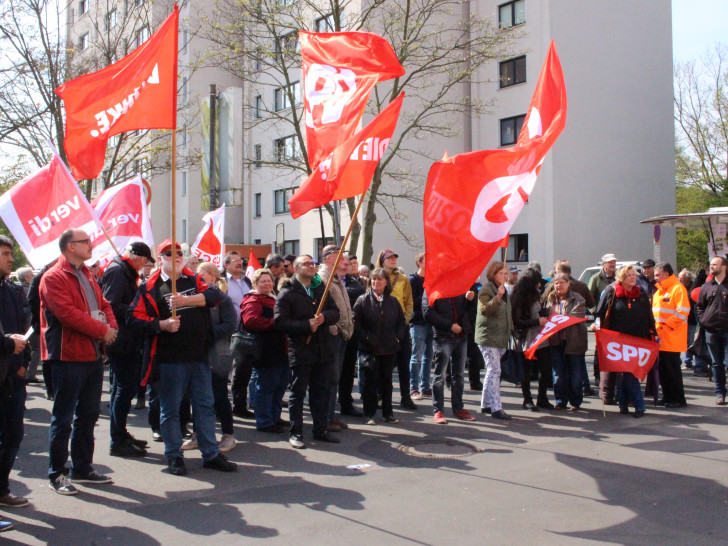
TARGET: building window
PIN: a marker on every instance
(257, 205)
(510, 128)
(512, 14)
(319, 244)
(291, 247)
(111, 19)
(258, 156)
(83, 7)
(517, 250)
(512, 71)
(259, 107)
(142, 35)
(287, 44)
(141, 165)
(183, 182)
(183, 39)
(257, 241)
(183, 136)
(83, 41)
(184, 90)
(184, 230)
(325, 23)
(282, 97)
(258, 59)
(280, 200)
(287, 148)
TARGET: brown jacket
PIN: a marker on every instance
(574, 336)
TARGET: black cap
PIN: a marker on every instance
(649, 262)
(141, 249)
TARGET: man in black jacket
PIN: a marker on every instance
(310, 352)
(712, 311)
(14, 360)
(119, 285)
(452, 324)
(421, 334)
(354, 289)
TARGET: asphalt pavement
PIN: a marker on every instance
(551, 477)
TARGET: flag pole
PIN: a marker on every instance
(174, 217)
(338, 257)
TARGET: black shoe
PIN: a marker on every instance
(272, 428)
(141, 403)
(485, 410)
(91, 477)
(639, 413)
(139, 443)
(157, 436)
(624, 411)
(528, 404)
(186, 433)
(221, 463)
(661, 402)
(283, 423)
(407, 403)
(326, 437)
(351, 411)
(610, 402)
(476, 386)
(545, 405)
(589, 392)
(700, 373)
(500, 414)
(243, 413)
(127, 449)
(676, 405)
(176, 466)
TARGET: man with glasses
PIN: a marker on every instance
(175, 354)
(119, 285)
(288, 260)
(76, 322)
(310, 350)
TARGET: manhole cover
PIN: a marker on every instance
(438, 449)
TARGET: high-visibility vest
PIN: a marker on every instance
(671, 307)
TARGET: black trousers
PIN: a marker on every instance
(475, 362)
(671, 377)
(543, 365)
(403, 365)
(379, 373)
(241, 377)
(348, 369)
(311, 377)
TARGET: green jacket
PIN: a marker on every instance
(493, 324)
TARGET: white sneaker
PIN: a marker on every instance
(226, 443)
(190, 444)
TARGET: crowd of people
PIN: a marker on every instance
(209, 345)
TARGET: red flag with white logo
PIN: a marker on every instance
(123, 211)
(473, 199)
(349, 169)
(555, 324)
(210, 241)
(624, 353)
(339, 71)
(38, 209)
(138, 92)
(253, 264)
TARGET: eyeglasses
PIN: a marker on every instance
(84, 241)
(309, 264)
(169, 253)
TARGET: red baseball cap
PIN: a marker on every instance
(166, 244)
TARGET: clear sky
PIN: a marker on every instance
(696, 26)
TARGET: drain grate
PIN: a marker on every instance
(438, 449)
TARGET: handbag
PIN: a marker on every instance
(511, 367)
(246, 346)
(699, 348)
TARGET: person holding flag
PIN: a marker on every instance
(626, 309)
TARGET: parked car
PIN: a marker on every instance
(589, 272)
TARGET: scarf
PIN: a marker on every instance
(621, 292)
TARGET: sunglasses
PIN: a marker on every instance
(309, 264)
(169, 253)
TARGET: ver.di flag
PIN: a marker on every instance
(211, 240)
(349, 169)
(122, 210)
(339, 71)
(472, 199)
(138, 92)
(39, 208)
(253, 265)
(624, 353)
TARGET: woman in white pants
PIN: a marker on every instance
(492, 331)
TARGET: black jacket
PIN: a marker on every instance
(12, 321)
(119, 285)
(418, 288)
(631, 316)
(294, 308)
(381, 325)
(445, 312)
(712, 306)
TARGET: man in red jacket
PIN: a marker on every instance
(76, 322)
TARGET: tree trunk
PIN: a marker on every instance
(356, 230)
(370, 218)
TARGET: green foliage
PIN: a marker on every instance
(692, 244)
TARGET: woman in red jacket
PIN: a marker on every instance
(256, 312)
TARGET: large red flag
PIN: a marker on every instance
(253, 265)
(555, 324)
(211, 239)
(339, 71)
(625, 353)
(349, 169)
(38, 209)
(473, 199)
(138, 92)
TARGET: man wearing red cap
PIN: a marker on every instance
(175, 353)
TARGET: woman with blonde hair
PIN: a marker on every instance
(224, 317)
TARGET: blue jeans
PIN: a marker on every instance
(630, 390)
(717, 342)
(338, 344)
(444, 349)
(175, 379)
(126, 370)
(421, 360)
(568, 380)
(12, 406)
(270, 386)
(77, 396)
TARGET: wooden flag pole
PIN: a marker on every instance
(338, 257)
(174, 216)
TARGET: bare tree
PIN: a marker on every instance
(441, 46)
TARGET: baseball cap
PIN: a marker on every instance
(649, 262)
(167, 243)
(609, 258)
(141, 249)
(388, 254)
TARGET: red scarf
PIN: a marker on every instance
(621, 292)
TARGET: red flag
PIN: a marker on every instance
(349, 169)
(253, 264)
(41, 207)
(473, 199)
(339, 71)
(555, 324)
(625, 353)
(123, 211)
(138, 92)
(210, 241)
